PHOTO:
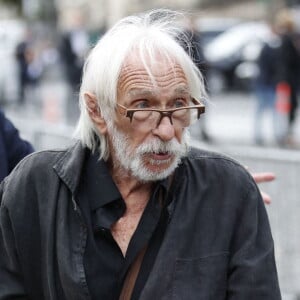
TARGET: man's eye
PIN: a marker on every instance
(142, 104)
(179, 103)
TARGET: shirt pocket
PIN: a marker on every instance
(203, 278)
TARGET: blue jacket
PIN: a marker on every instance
(12, 147)
(217, 245)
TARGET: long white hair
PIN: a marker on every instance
(145, 35)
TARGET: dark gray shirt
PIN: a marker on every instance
(102, 205)
(217, 243)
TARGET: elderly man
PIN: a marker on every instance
(131, 211)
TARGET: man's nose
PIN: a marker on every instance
(165, 130)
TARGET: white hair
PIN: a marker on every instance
(155, 32)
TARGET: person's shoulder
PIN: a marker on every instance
(202, 154)
(3, 118)
(1, 114)
(219, 170)
(40, 164)
(38, 170)
(215, 162)
(39, 160)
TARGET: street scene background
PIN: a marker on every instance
(47, 112)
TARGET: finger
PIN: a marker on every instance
(266, 198)
(263, 177)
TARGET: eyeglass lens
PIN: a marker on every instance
(180, 118)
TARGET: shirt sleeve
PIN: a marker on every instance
(11, 283)
(16, 147)
(252, 268)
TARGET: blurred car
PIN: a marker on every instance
(232, 55)
(210, 27)
(11, 33)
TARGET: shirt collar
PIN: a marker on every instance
(100, 186)
(105, 201)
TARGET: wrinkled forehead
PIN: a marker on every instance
(155, 71)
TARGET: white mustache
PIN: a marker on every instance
(157, 146)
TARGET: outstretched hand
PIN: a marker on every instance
(264, 177)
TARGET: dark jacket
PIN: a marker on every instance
(12, 147)
(289, 61)
(217, 244)
(268, 65)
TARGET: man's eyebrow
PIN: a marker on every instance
(182, 90)
(140, 92)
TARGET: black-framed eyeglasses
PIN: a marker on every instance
(150, 118)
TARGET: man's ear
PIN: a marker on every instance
(95, 112)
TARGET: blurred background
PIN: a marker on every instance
(247, 50)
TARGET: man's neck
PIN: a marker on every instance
(134, 192)
(136, 195)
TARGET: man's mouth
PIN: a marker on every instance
(161, 155)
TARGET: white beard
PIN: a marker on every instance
(131, 161)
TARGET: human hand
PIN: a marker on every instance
(264, 177)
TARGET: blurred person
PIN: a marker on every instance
(195, 50)
(21, 50)
(131, 202)
(73, 50)
(29, 65)
(74, 47)
(12, 147)
(265, 87)
(288, 65)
